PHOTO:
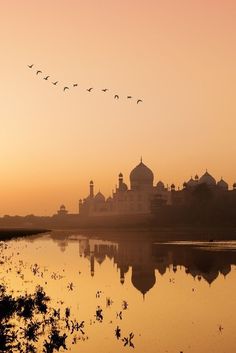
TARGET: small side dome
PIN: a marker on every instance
(184, 185)
(222, 184)
(91, 182)
(120, 175)
(191, 182)
(207, 179)
(109, 199)
(160, 185)
(100, 197)
(123, 187)
(62, 210)
(172, 186)
(196, 177)
(234, 186)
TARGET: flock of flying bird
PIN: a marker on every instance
(65, 88)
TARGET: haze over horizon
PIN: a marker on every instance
(179, 57)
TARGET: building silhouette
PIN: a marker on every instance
(125, 200)
(143, 197)
(62, 211)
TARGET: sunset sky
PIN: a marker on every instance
(178, 56)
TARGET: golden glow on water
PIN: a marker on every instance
(177, 296)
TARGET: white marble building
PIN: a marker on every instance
(125, 200)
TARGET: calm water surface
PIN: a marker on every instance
(177, 297)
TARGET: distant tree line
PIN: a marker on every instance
(200, 206)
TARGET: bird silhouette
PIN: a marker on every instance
(139, 101)
(105, 89)
(65, 88)
(117, 332)
(90, 89)
(116, 96)
(30, 66)
(75, 84)
(119, 315)
(129, 97)
(55, 83)
(46, 78)
(38, 72)
(125, 305)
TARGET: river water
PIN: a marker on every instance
(128, 295)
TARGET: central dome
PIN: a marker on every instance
(141, 176)
(207, 179)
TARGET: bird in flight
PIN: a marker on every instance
(30, 66)
(90, 89)
(116, 96)
(129, 97)
(105, 89)
(46, 78)
(65, 88)
(38, 72)
(75, 84)
(55, 83)
(139, 101)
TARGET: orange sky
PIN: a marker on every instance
(179, 56)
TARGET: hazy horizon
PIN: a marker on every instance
(179, 57)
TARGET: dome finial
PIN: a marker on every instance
(141, 159)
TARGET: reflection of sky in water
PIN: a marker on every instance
(177, 296)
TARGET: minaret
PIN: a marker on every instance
(80, 205)
(91, 186)
(120, 180)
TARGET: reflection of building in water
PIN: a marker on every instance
(96, 250)
(139, 257)
(203, 264)
(143, 278)
(143, 258)
(61, 238)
